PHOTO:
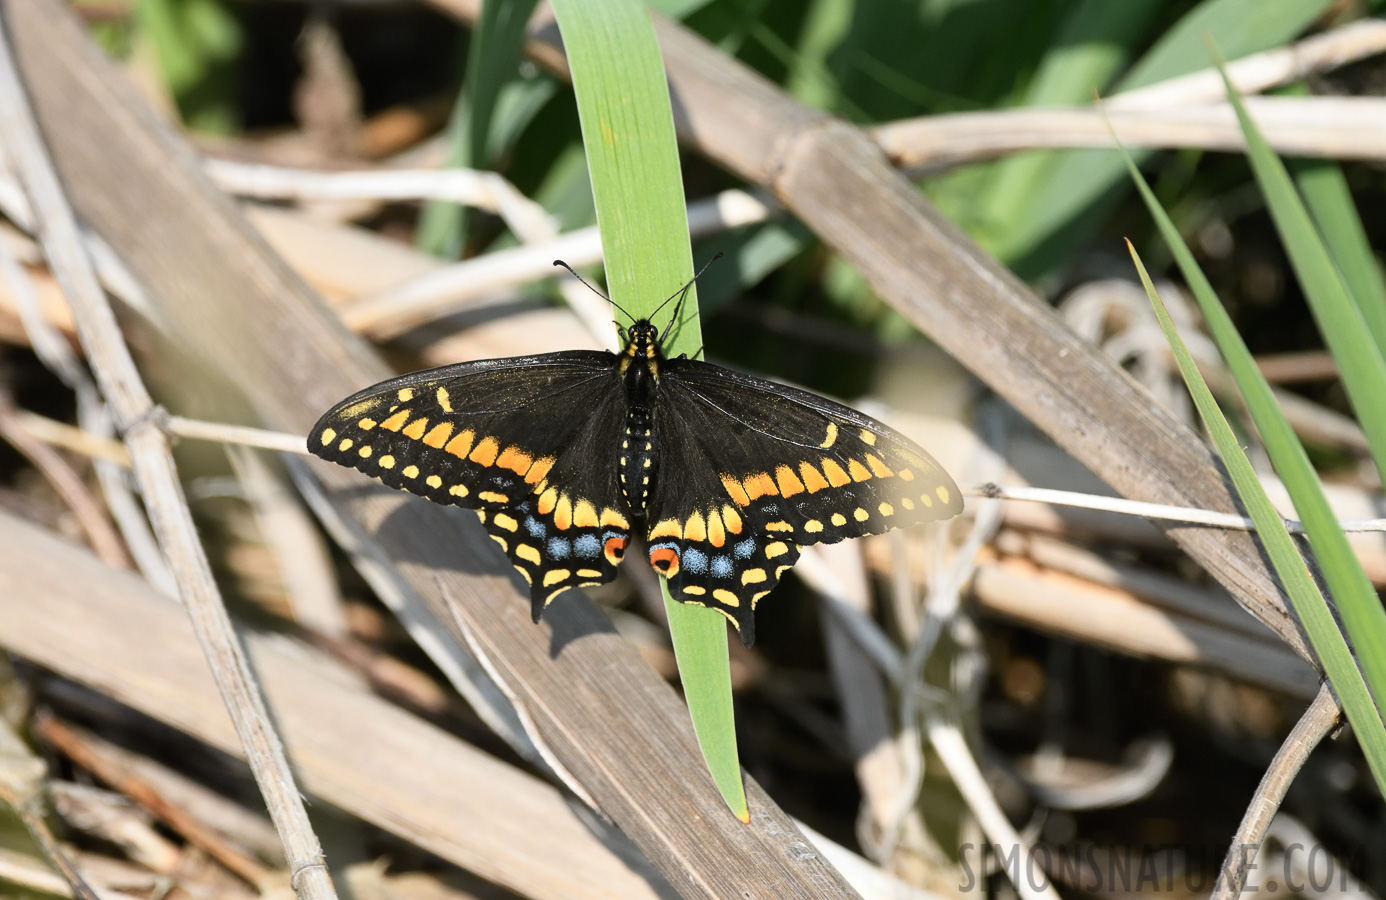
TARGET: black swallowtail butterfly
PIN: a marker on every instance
(565, 455)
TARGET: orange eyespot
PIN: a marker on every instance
(614, 549)
(665, 561)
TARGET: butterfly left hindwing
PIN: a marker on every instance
(524, 442)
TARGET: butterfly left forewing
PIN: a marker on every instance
(523, 442)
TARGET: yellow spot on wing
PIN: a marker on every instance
(365, 451)
(554, 576)
(415, 429)
(886, 509)
(485, 452)
(759, 485)
(813, 526)
(858, 471)
(547, 501)
(458, 490)
(732, 519)
(345, 445)
(666, 528)
(516, 460)
(525, 551)
(410, 472)
(788, 482)
(860, 514)
(443, 400)
(396, 422)
(434, 481)
(905, 475)
(831, 436)
(493, 497)
(836, 476)
(459, 445)
(927, 501)
(505, 521)
(737, 492)
(612, 517)
(366, 424)
(439, 435)
(752, 576)
(387, 461)
(716, 531)
(563, 513)
(878, 468)
(813, 479)
(868, 437)
(589, 573)
(539, 470)
(839, 519)
(942, 493)
(695, 590)
(907, 503)
(778, 548)
(405, 395)
(726, 597)
(585, 515)
(328, 436)
(695, 529)
(778, 526)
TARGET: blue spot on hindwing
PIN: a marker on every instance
(587, 546)
(535, 528)
(744, 549)
(694, 561)
(559, 548)
(722, 566)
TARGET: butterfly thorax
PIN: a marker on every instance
(638, 462)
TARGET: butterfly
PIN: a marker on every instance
(565, 456)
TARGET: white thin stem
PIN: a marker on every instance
(453, 287)
(133, 410)
(482, 190)
(1146, 510)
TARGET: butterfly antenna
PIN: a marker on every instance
(682, 293)
(573, 272)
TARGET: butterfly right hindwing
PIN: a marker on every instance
(760, 469)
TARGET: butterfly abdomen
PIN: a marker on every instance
(637, 465)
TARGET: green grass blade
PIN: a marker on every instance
(628, 131)
(1304, 595)
(1340, 566)
(1363, 374)
(1326, 194)
(1058, 216)
(492, 62)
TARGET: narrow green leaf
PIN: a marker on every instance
(492, 63)
(628, 130)
(1330, 202)
(1304, 594)
(1341, 568)
(1363, 374)
(1058, 215)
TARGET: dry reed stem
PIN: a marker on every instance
(1326, 127)
(1082, 610)
(621, 730)
(93, 518)
(66, 611)
(77, 747)
(157, 477)
(1313, 726)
